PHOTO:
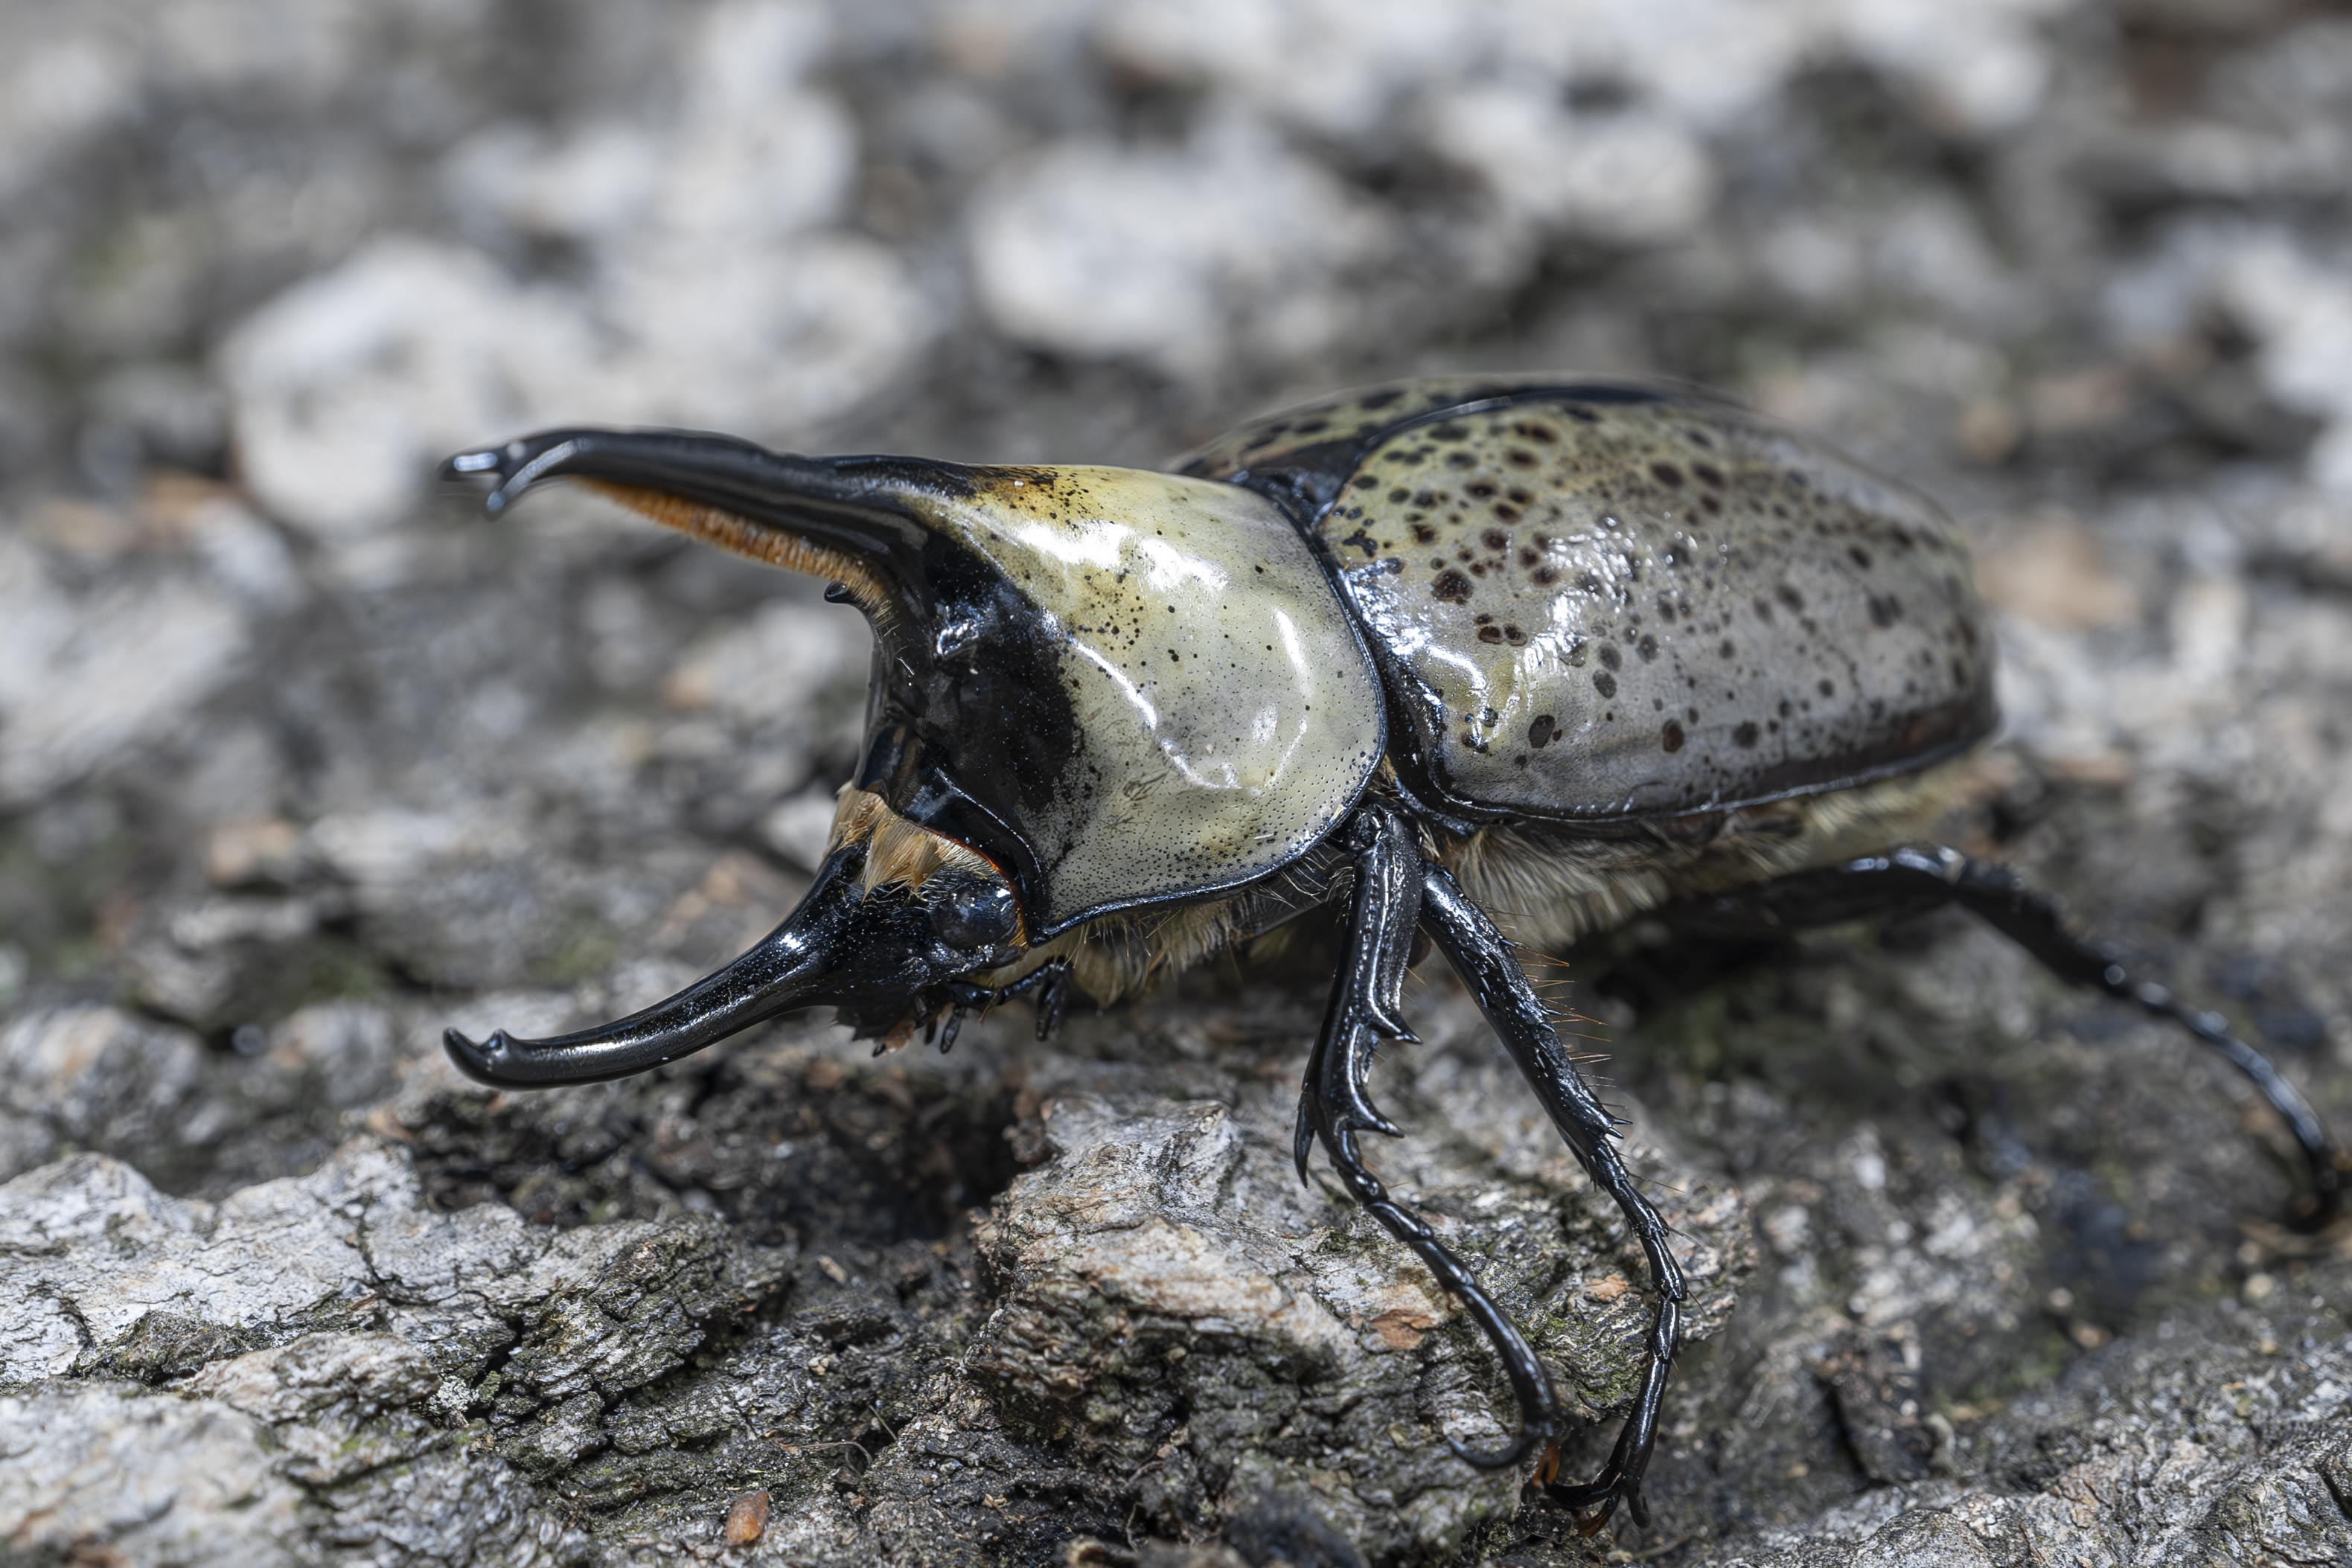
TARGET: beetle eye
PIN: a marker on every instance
(972, 914)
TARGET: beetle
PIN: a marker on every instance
(1570, 647)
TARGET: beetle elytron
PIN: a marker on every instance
(1569, 647)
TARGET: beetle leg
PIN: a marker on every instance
(1368, 996)
(1050, 981)
(1484, 959)
(954, 1027)
(1365, 1002)
(2002, 900)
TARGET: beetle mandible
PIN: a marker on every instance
(1570, 646)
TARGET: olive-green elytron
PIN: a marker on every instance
(1560, 647)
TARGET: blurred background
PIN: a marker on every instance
(299, 763)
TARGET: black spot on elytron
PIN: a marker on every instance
(1725, 648)
(1610, 658)
(1519, 497)
(1669, 476)
(1671, 738)
(1461, 460)
(1711, 505)
(1518, 638)
(1708, 474)
(1828, 689)
(1744, 737)
(1535, 431)
(1175, 657)
(1495, 540)
(1399, 496)
(1790, 597)
(1422, 533)
(1381, 398)
(1859, 555)
(1885, 610)
(1528, 557)
(1490, 633)
(1648, 648)
(1539, 733)
(1482, 620)
(1482, 488)
(1450, 431)
(1604, 683)
(1520, 457)
(1509, 513)
(1365, 481)
(1545, 576)
(1452, 587)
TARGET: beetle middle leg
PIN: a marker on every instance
(1487, 965)
(1908, 879)
(1394, 891)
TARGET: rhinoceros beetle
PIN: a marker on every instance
(1570, 648)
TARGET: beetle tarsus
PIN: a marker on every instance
(954, 1026)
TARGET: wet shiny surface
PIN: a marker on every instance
(1226, 714)
(1607, 608)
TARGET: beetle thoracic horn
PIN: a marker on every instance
(842, 519)
(810, 961)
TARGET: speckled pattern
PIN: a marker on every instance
(1226, 714)
(1605, 601)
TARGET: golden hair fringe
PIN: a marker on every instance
(759, 542)
(1545, 885)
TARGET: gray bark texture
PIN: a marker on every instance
(301, 765)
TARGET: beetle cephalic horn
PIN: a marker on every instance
(807, 961)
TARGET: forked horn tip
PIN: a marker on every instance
(514, 467)
(489, 1062)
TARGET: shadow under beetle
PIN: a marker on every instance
(1568, 648)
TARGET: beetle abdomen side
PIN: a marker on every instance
(1548, 883)
(1603, 603)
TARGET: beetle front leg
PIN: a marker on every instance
(1366, 1003)
(1484, 959)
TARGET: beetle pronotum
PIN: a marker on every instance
(1572, 647)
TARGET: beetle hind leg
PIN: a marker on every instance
(1919, 878)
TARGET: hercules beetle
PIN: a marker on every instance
(1568, 647)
